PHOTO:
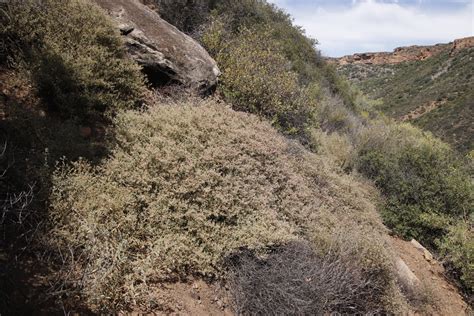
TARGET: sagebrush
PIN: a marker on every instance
(210, 180)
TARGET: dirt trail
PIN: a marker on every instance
(422, 110)
(445, 296)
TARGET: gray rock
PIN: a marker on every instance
(166, 54)
(426, 254)
(405, 276)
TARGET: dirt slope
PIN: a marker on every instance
(445, 299)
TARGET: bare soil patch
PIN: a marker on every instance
(446, 296)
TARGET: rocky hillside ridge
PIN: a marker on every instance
(170, 56)
(403, 54)
(434, 93)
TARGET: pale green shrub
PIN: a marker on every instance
(337, 146)
(187, 185)
(257, 77)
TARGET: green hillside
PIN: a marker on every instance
(439, 91)
(279, 190)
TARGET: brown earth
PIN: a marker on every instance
(403, 54)
(462, 43)
(194, 297)
(422, 110)
(444, 298)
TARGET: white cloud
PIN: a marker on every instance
(370, 25)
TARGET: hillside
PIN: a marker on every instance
(202, 158)
(429, 86)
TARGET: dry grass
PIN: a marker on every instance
(295, 280)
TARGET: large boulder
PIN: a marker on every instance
(166, 54)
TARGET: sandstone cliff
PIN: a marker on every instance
(403, 54)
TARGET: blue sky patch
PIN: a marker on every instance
(349, 26)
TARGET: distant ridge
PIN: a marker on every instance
(403, 54)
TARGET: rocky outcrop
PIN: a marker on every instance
(166, 54)
(404, 54)
(401, 54)
(426, 254)
(461, 44)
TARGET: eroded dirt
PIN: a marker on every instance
(445, 299)
(422, 110)
(195, 297)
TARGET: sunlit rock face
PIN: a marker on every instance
(166, 54)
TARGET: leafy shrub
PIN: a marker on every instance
(257, 78)
(75, 57)
(298, 48)
(458, 248)
(425, 185)
(295, 280)
(271, 68)
(168, 203)
(339, 86)
(187, 15)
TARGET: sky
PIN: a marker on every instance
(344, 27)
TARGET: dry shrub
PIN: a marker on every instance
(336, 146)
(185, 186)
(335, 116)
(13, 206)
(14, 199)
(295, 280)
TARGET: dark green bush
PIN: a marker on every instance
(428, 191)
(458, 248)
(271, 68)
(76, 59)
(187, 15)
(298, 48)
(425, 185)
